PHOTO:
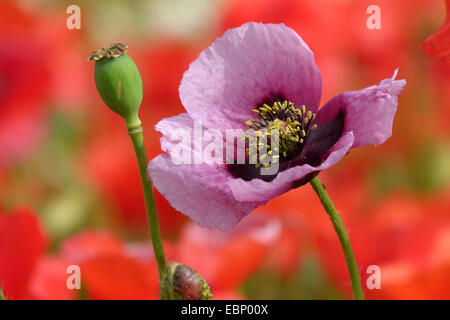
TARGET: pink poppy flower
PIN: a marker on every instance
(263, 76)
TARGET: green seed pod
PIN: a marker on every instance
(118, 82)
(180, 282)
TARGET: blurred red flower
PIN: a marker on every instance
(24, 83)
(437, 46)
(41, 61)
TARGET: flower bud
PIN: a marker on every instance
(118, 82)
(180, 282)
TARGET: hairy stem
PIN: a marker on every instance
(137, 138)
(343, 237)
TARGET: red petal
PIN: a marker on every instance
(437, 46)
(22, 242)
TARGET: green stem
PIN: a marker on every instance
(141, 155)
(343, 237)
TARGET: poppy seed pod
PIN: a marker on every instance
(119, 82)
(181, 282)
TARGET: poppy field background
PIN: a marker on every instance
(70, 192)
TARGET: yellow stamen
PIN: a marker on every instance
(290, 123)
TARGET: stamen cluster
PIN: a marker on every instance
(292, 125)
